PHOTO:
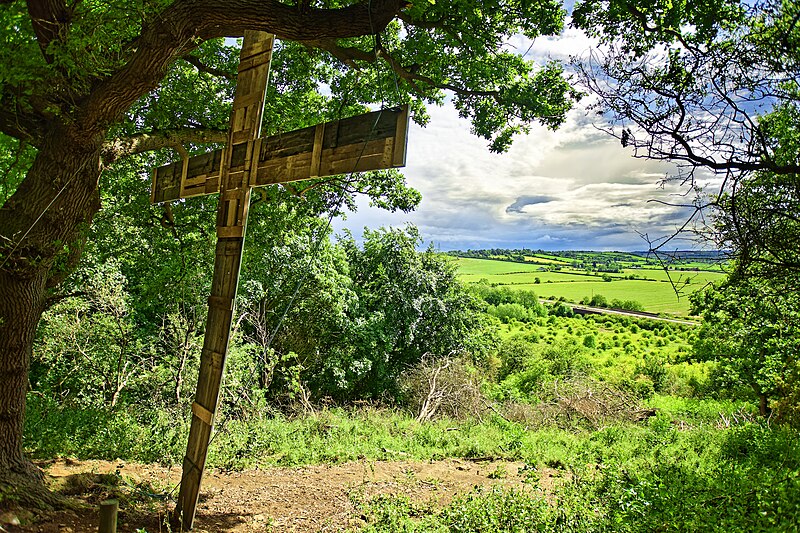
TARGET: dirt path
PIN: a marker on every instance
(303, 499)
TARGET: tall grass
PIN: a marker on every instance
(693, 467)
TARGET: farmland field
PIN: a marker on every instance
(656, 297)
(658, 290)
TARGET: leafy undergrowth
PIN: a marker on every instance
(695, 466)
(337, 435)
(745, 478)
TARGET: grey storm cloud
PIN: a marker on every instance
(523, 201)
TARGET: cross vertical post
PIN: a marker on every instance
(371, 141)
(234, 186)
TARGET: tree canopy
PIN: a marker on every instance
(93, 94)
(713, 87)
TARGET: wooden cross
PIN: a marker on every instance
(372, 141)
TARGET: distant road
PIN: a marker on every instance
(586, 310)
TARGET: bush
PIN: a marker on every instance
(654, 368)
(496, 509)
(590, 341)
(566, 359)
(598, 300)
(627, 305)
(509, 312)
(561, 309)
(515, 352)
(447, 388)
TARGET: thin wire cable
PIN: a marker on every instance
(44, 211)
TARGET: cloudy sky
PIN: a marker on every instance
(575, 188)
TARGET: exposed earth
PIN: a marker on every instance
(300, 499)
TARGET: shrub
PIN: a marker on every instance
(627, 305)
(496, 509)
(510, 311)
(561, 309)
(598, 300)
(589, 341)
(447, 388)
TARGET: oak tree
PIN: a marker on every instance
(86, 84)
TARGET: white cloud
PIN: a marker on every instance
(571, 188)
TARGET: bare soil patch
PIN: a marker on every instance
(298, 499)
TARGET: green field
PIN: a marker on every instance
(656, 297)
(658, 290)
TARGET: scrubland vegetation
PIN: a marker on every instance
(644, 431)
(346, 349)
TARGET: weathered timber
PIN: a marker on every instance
(108, 516)
(248, 105)
(371, 141)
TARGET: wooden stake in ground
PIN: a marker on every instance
(372, 141)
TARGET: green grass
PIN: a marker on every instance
(547, 259)
(691, 492)
(690, 279)
(654, 288)
(656, 297)
(685, 469)
(655, 477)
(467, 266)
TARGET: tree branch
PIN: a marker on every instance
(346, 54)
(50, 20)
(413, 77)
(642, 18)
(202, 67)
(349, 56)
(22, 126)
(186, 23)
(122, 147)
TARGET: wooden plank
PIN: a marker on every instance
(349, 145)
(202, 413)
(253, 47)
(167, 183)
(153, 186)
(227, 248)
(401, 139)
(231, 222)
(316, 151)
(215, 359)
(190, 484)
(227, 232)
(221, 302)
(355, 144)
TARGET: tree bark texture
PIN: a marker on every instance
(42, 227)
(20, 301)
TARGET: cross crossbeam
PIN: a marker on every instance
(371, 141)
(365, 142)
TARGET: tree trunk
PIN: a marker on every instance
(763, 404)
(20, 307)
(42, 230)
